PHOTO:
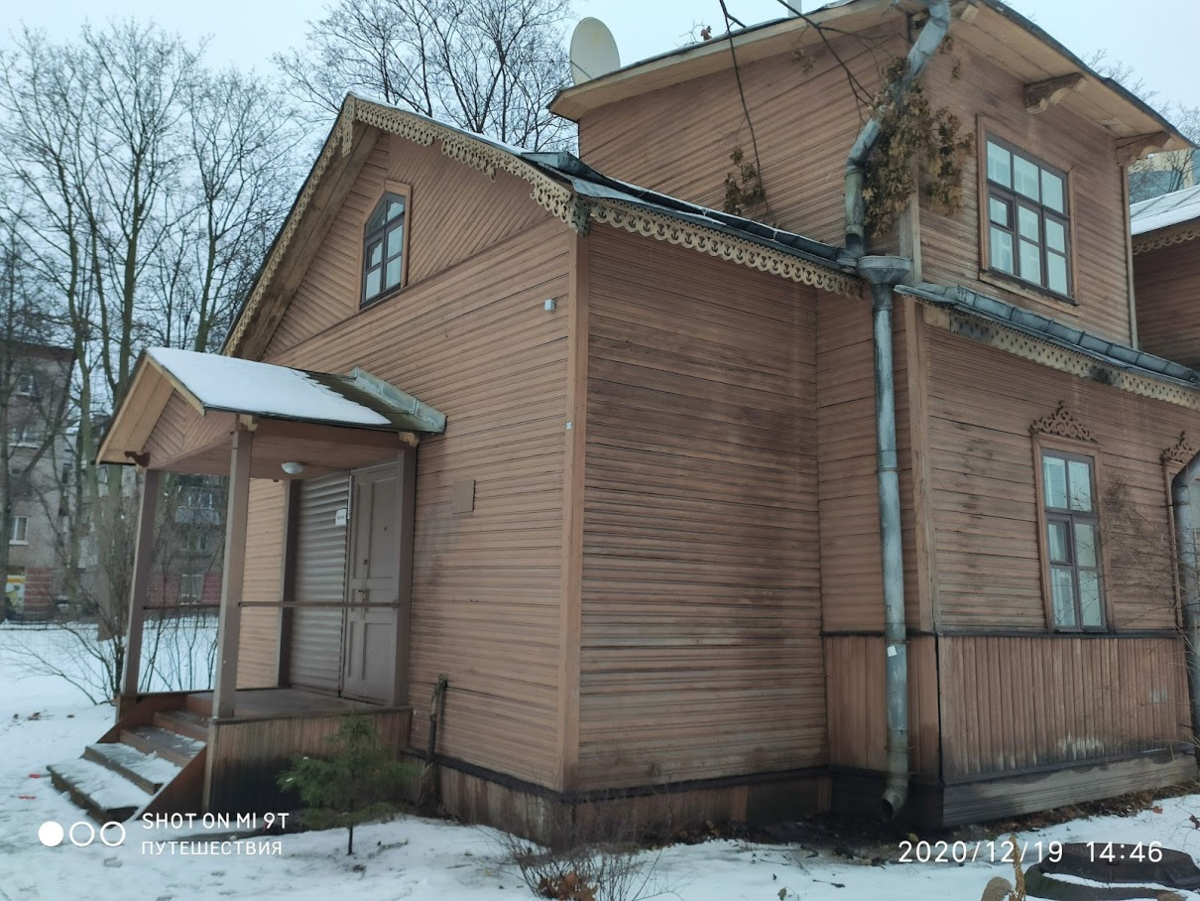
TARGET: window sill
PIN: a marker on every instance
(376, 301)
(18, 543)
(1024, 289)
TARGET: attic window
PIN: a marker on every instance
(1028, 226)
(383, 248)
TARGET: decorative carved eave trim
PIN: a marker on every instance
(1054, 356)
(554, 196)
(1185, 231)
(643, 222)
(1063, 424)
(1130, 150)
(1180, 452)
(1041, 95)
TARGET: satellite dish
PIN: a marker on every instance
(593, 51)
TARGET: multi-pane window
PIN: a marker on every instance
(191, 586)
(1072, 540)
(1028, 235)
(25, 435)
(383, 249)
(27, 385)
(19, 531)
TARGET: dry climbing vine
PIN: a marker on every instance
(910, 129)
(743, 187)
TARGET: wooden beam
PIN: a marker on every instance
(1041, 95)
(229, 625)
(570, 627)
(1130, 150)
(139, 591)
(287, 579)
(407, 504)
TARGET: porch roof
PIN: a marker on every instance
(182, 406)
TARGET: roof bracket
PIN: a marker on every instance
(1130, 150)
(1041, 95)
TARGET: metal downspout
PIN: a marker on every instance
(883, 274)
(1189, 578)
(927, 42)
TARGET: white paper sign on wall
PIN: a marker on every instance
(339, 517)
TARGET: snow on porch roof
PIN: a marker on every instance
(215, 383)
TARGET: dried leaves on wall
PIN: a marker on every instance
(911, 130)
(743, 187)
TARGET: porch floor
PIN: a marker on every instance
(279, 702)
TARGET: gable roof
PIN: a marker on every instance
(1168, 219)
(990, 26)
(561, 183)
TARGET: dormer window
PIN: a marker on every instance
(1028, 233)
(383, 248)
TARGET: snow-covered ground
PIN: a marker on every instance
(44, 720)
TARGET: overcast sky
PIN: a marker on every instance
(1156, 37)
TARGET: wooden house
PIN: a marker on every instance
(1166, 272)
(615, 463)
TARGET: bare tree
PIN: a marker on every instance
(145, 190)
(487, 66)
(1160, 173)
(34, 380)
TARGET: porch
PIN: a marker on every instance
(339, 617)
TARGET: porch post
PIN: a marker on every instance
(229, 625)
(139, 592)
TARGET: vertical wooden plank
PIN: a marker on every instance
(287, 580)
(922, 481)
(230, 620)
(575, 426)
(407, 515)
(139, 590)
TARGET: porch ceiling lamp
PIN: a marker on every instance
(293, 467)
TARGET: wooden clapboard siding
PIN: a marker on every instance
(475, 342)
(984, 502)
(1011, 703)
(1167, 285)
(455, 212)
(969, 83)
(700, 652)
(857, 702)
(258, 645)
(246, 755)
(851, 565)
(678, 139)
(181, 429)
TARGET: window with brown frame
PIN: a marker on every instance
(1027, 219)
(1072, 540)
(383, 249)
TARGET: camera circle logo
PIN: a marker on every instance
(81, 834)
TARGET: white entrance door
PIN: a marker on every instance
(373, 586)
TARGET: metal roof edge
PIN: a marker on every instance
(1069, 337)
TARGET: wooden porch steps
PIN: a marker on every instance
(114, 780)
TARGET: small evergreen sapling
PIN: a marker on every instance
(359, 781)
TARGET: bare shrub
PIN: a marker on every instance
(597, 852)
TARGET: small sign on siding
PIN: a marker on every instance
(339, 516)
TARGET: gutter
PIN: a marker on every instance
(883, 274)
(1189, 577)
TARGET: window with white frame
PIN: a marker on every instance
(26, 434)
(27, 385)
(191, 586)
(18, 533)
